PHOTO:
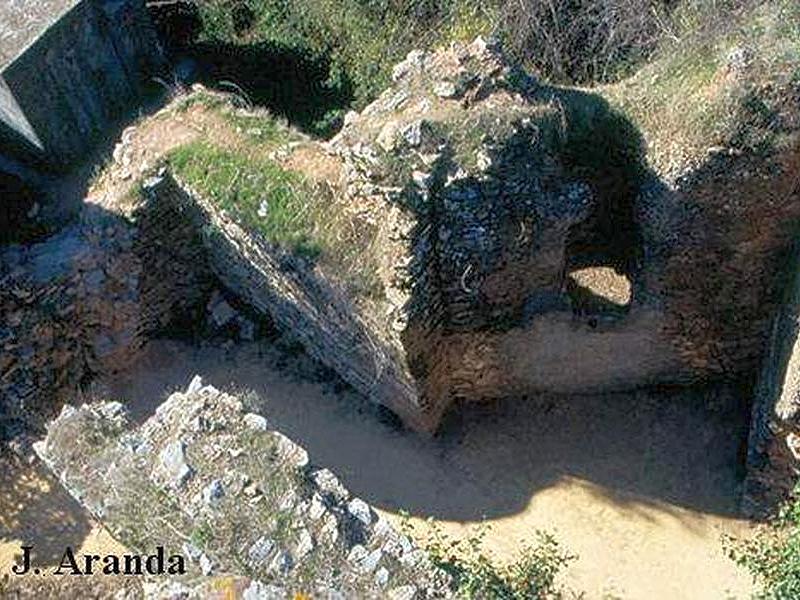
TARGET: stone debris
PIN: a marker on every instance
(261, 551)
(405, 592)
(172, 464)
(220, 312)
(303, 523)
(361, 511)
(206, 565)
(213, 492)
(87, 299)
(256, 422)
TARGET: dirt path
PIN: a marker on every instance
(641, 486)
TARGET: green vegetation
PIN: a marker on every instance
(284, 206)
(687, 100)
(475, 575)
(680, 99)
(202, 535)
(360, 39)
(267, 198)
(773, 555)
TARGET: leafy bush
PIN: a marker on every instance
(772, 555)
(351, 45)
(361, 39)
(532, 576)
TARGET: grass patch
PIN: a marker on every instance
(285, 207)
(685, 101)
(265, 197)
(532, 576)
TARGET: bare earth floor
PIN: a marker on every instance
(641, 486)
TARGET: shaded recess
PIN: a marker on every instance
(18, 205)
(288, 81)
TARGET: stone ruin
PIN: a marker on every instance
(489, 193)
(241, 501)
(489, 196)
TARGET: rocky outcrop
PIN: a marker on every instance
(244, 505)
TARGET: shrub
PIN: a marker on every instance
(531, 576)
(772, 555)
(588, 41)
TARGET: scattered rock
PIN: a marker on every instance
(404, 592)
(172, 460)
(329, 485)
(361, 511)
(191, 551)
(195, 385)
(305, 544)
(213, 492)
(206, 565)
(382, 577)
(283, 563)
(261, 591)
(256, 422)
(220, 312)
(260, 551)
(446, 90)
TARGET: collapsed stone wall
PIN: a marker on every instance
(86, 300)
(242, 502)
(504, 168)
(482, 184)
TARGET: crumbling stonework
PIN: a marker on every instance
(299, 299)
(86, 300)
(486, 189)
(243, 503)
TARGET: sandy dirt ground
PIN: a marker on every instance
(641, 486)
(36, 511)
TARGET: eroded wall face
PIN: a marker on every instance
(773, 458)
(86, 300)
(81, 75)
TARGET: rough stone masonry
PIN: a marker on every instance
(68, 70)
(486, 190)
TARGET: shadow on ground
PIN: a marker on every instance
(668, 448)
(36, 510)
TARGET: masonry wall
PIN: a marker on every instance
(301, 300)
(86, 301)
(81, 75)
(773, 458)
